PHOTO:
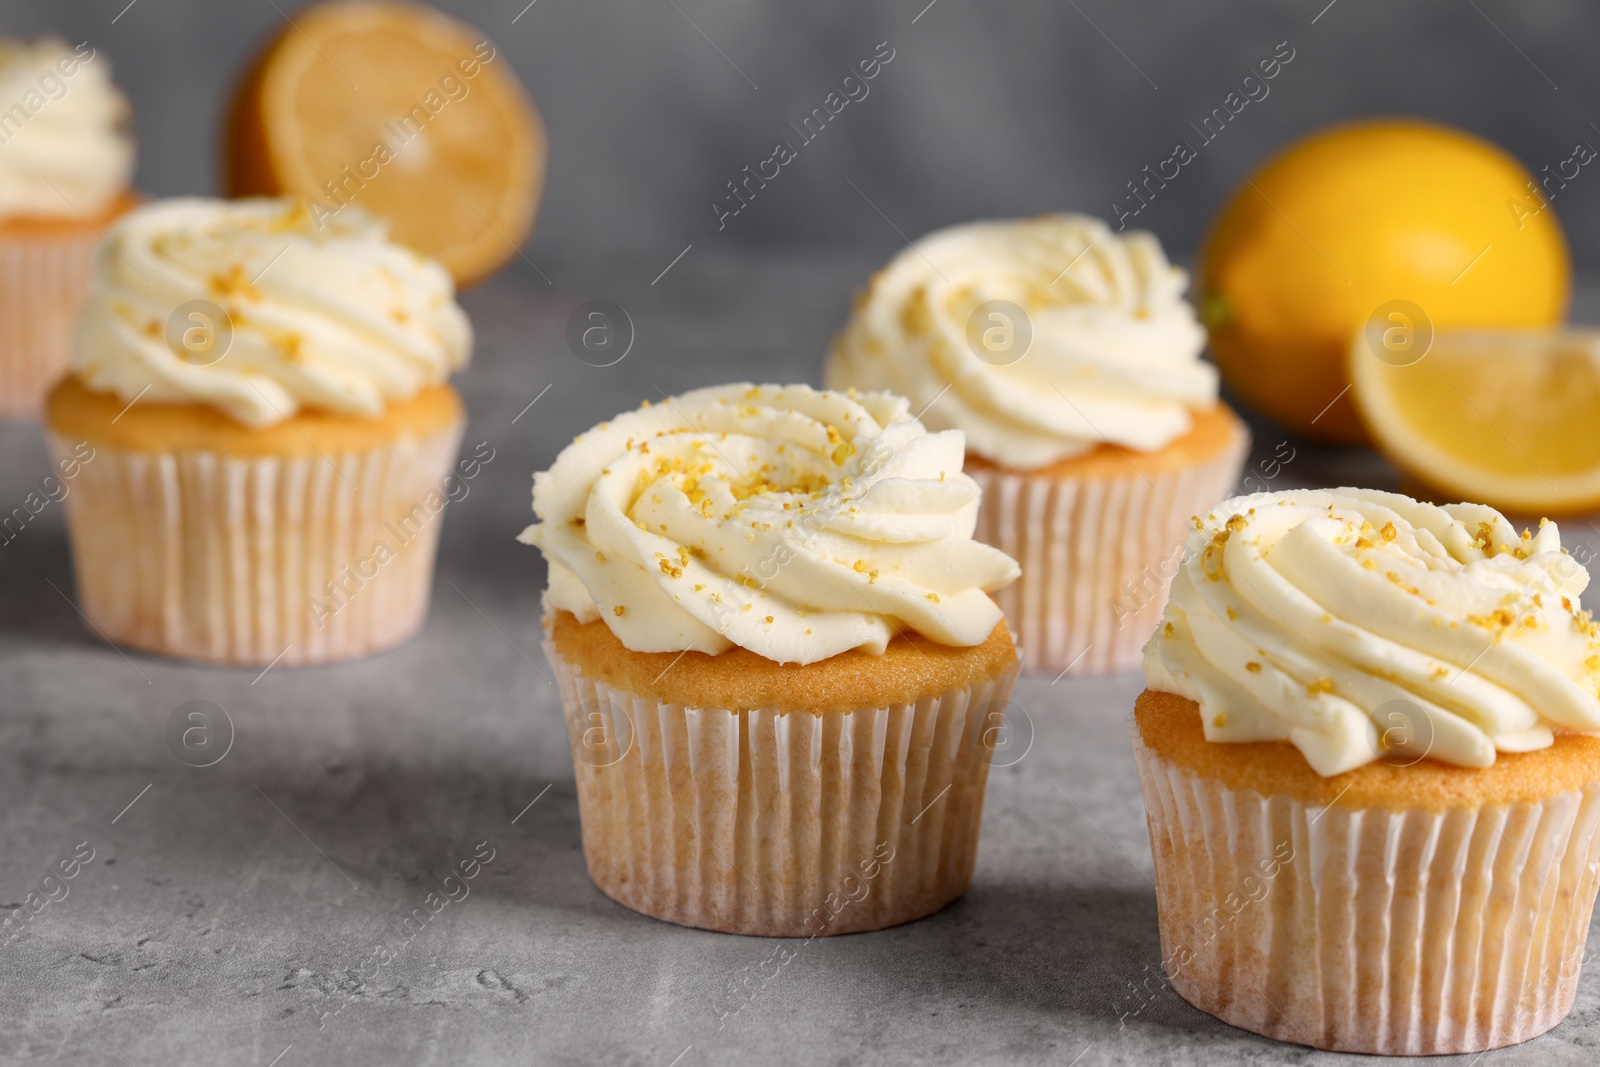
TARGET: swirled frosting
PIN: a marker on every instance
(795, 523)
(1361, 625)
(65, 145)
(331, 316)
(1114, 351)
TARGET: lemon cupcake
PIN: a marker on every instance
(66, 158)
(270, 431)
(779, 662)
(1070, 358)
(1369, 766)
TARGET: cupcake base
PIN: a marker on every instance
(778, 823)
(205, 553)
(1099, 538)
(1450, 920)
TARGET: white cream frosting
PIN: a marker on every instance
(1360, 625)
(1115, 347)
(65, 144)
(334, 317)
(795, 523)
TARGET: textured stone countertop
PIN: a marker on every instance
(227, 909)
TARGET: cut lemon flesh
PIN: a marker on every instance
(413, 116)
(1509, 418)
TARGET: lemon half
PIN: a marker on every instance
(415, 117)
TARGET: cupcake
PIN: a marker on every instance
(1371, 774)
(1070, 358)
(781, 668)
(66, 158)
(263, 433)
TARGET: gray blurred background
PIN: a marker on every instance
(987, 109)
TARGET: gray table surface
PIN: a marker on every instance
(228, 909)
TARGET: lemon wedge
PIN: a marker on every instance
(1509, 418)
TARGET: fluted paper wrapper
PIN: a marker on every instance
(44, 282)
(780, 824)
(1390, 932)
(1097, 555)
(229, 558)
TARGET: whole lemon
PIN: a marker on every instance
(1354, 219)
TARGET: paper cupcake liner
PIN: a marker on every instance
(44, 282)
(1391, 932)
(258, 559)
(780, 824)
(1097, 555)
